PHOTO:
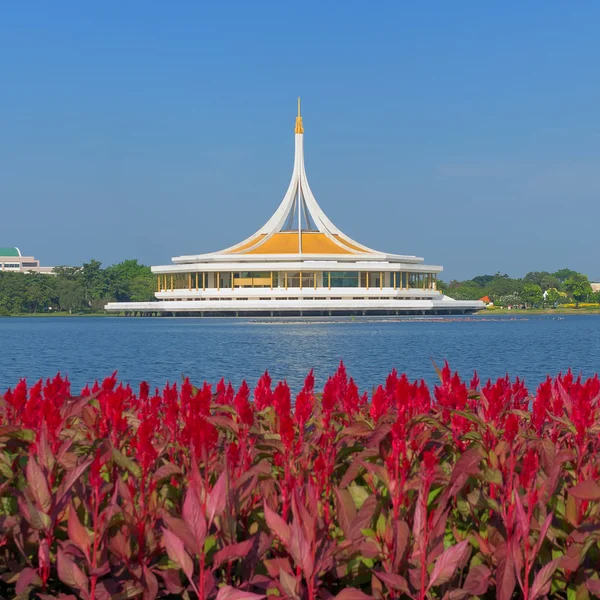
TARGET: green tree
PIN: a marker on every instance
(503, 286)
(483, 280)
(563, 274)
(532, 294)
(552, 297)
(129, 281)
(71, 295)
(94, 282)
(578, 286)
(542, 278)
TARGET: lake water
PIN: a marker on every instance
(161, 349)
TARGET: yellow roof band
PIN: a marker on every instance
(247, 245)
(287, 243)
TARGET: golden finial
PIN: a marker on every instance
(299, 127)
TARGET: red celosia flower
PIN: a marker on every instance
(529, 468)
(263, 396)
(305, 401)
(225, 393)
(242, 405)
(511, 428)
(430, 460)
(380, 403)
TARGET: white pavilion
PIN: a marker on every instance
(298, 264)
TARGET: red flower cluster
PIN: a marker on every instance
(233, 494)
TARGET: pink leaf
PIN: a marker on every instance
(217, 498)
(70, 574)
(151, 584)
(593, 585)
(289, 584)
(402, 533)
(351, 593)
(277, 526)
(448, 562)
(38, 485)
(177, 552)
(505, 572)
(587, 490)
(477, 581)
(182, 531)
(67, 483)
(194, 519)
(229, 593)
(543, 579)
(165, 471)
(44, 451)
(232, 552)
(77, 532)
(419, 522)
(543, 531)
(521, 517)
(26, 577)
(394, 582)
(345, 509)
(300, 550)
(364, 518)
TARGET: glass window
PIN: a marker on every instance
(342, 278)
(308, 279)
(224, 280)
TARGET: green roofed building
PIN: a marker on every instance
(12, 260)
(10, 252)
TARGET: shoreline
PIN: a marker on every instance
(484, 312)
(540, 311)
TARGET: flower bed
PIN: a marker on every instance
(458, 492)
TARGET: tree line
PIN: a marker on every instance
(88, 288)
(536, 289)
(84, 289)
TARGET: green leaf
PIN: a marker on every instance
(359, 494)
(126, 463)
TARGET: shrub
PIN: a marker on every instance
(469, 491)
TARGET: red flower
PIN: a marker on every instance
(263, 396)
(511, 428)
(430, 460)
(529, 469)
(242, 405)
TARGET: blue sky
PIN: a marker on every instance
(467, 133)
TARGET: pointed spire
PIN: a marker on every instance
(299, 127)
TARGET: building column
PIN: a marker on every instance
(203, 281)
(329, 280)
(171, 282)
(271, 279)
(189, 282)
(285, 279)
(232, 281)
(315, 280)
(158, 284)
(218, 282)
(380, 280)
(196, 280)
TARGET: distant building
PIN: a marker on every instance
(13, 261)
(299, 263)
(595, 287)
